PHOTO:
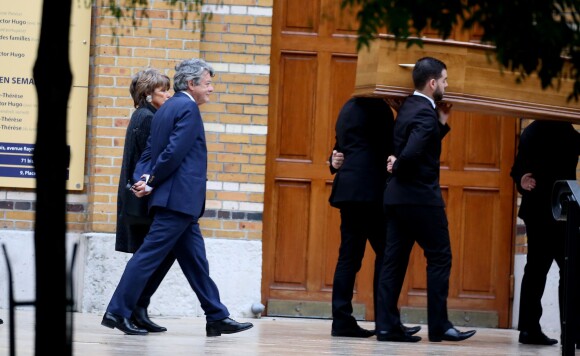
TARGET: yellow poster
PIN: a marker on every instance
(19, 35)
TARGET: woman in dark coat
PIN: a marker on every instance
(149, 89)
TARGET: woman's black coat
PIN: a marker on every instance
(130, 237)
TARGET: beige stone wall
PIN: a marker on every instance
(236, 42)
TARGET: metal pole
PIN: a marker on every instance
(570, 321)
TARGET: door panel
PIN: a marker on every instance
(300, 16)
(291, 242)
(313, 74)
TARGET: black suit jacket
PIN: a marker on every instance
(364, 131)
(417, 146)
(549, 150)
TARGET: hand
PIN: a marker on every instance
(528, 182)
(337, 159)
(390, 162)
(139, 189)
(444, 110)
(395, 103)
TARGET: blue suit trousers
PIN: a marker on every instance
(175, 232)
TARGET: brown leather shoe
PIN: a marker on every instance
(225, 326)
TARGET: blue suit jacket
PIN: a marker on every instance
(176, 157)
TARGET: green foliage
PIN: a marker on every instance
(137, 10)
(530, 36)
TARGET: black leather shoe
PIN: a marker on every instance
(225, 326)
(452, 334)
(112, 321)
(536, 338)
(411, 330)
(352, 332)
(141, 319)
(398, 335)
(1, 321)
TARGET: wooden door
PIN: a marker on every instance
(313, 69)
(476, 159)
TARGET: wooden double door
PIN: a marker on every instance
(313, 70)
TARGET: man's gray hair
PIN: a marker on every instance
(190, 69)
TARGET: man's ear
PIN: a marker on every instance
(432, 84)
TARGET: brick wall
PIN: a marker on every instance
(236, 42)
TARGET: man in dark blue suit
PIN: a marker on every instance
(176, 163)
(415, 208)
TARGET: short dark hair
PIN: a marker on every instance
(425, 69)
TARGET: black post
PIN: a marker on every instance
(12, 304)
(565, 207)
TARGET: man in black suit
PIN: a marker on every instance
(548, 151)
(415, 208)
(364, 130)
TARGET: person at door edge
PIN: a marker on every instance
(363, 142)
(547, 152)
(415, 209)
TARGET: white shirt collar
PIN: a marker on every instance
(186, 93)
(425, 96)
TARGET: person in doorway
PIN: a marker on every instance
(149, 89)
(176, 175)
(548, 151)
(415, 208)
(364, 131)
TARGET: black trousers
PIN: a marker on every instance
(427, 225)
(546, 243)
(359, 222)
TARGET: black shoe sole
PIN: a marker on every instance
(406, 338)
(213, 332)
(150, 328)
(108, 323)
(361, 335)
(444, 338)
(541, 343)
